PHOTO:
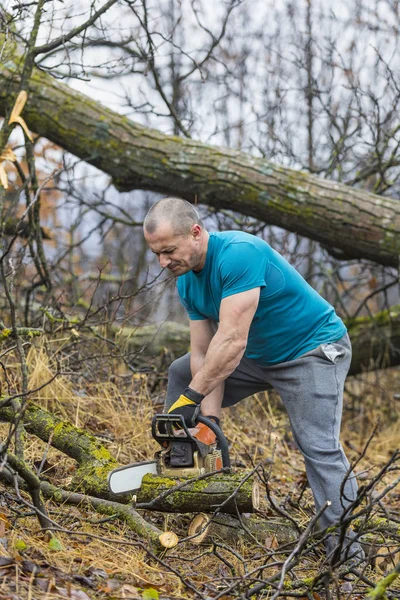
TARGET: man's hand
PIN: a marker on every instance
(187, 405)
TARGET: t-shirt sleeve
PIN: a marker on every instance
(242, 268)
(193, 314)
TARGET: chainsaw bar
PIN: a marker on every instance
(129, 479)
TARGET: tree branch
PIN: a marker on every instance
(62, 39)
(360, 224)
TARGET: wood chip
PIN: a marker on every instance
(168, 539)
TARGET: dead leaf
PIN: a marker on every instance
(16, 112)
(4, 522)
(3, 528)
(373, 283)
(45, 466)
(271, 542)
(83, 580)
(29, 566)
(110, 586)
(129, 591)
(6, 561)
(346, 587)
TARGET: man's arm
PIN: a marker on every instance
(227, 346)
(201, 334)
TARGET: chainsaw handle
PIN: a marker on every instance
(222, 441)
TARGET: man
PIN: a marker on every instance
(255, 322)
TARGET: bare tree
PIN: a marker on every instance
(306, 102)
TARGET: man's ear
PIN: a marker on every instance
(196, 231)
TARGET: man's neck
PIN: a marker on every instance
(203, 252)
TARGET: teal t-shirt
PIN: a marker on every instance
(291, 318)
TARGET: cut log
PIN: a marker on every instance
(182, 495)
(271, 533)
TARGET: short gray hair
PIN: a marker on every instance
(176, 211)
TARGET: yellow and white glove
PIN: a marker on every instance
(187, 405)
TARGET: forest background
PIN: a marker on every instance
(277, 120)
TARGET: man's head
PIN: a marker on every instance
(175, 233)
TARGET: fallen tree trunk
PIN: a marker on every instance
(233, 493)
(94, 460)
(249, 529)
(359, 224)
(153, 340)
(228, 491)
(157, 493)
(375, 341)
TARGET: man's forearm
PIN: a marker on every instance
(223, 356)
(212, 403)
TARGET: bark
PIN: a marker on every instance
(32, 484)
(94, 460)
(227, 491)
(376, 341)
(353, 222)
(249, 529)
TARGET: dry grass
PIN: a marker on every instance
(119, 411)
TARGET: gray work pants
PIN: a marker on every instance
(311, 388)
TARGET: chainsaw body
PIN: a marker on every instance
(182, 454)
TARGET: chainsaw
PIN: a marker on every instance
(184, 453)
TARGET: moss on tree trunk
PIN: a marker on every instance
(350, 220)
(159, 493)
(94, 460)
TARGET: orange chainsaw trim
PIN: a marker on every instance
(204, 434)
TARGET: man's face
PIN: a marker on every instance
(179, 253)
